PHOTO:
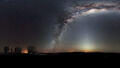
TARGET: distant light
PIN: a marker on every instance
(88, 50)
(86, 45)
(25, 51)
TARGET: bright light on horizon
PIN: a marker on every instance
(25, 51)
(87, 45)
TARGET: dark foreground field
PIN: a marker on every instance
(81, 55)
(60, 58)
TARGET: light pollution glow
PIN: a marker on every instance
(25, 51)
(87, 45)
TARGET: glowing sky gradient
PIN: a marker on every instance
(61, 25)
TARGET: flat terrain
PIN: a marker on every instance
(73, 54)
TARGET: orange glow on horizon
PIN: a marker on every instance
(71, 50)
(25, 51)
(87, 51)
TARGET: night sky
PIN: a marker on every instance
(33, 23)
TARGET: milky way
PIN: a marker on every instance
(78, 11)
